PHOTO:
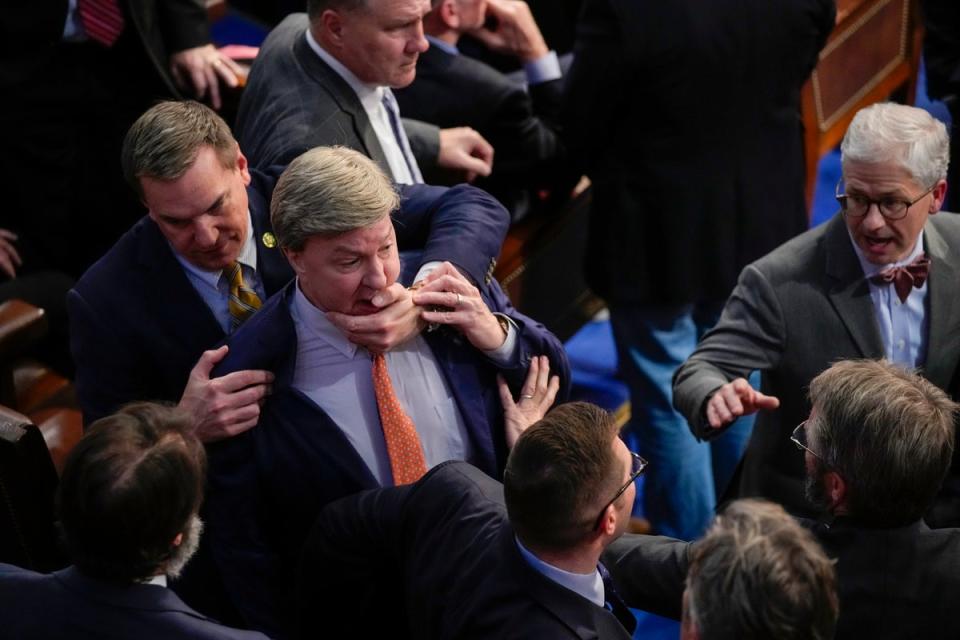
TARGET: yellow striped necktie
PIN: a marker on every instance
(243, 300)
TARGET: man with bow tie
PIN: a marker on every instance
(878, 280)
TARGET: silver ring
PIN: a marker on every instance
(458, 300)
(524, 396)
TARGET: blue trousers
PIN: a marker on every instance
(685, 477)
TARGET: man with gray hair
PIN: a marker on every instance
(342, 418)
(878, 280)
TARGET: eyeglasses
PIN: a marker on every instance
(799, 438)
(638, 466)
(857, 206)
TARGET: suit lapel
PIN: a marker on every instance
(272, 265)
(943, 341)
(849, 292)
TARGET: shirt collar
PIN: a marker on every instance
(160, 580)
(309, 318)
(588, 585)
(443, 45)
(870, 269)
(247, 257)
(369, 95)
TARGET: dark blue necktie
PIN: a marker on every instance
(613, 602)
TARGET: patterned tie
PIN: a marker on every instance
(243, 300)
(613, 601)
(393, 112)
(906, 277)
(403, 444)
(101, 19)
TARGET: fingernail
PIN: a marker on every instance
(377, 300)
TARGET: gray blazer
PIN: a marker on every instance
(793, 313)
(294, 101)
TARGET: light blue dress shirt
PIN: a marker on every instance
(588, 585)
(903, 326)
(543, 69)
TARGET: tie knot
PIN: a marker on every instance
(905, 277)
(242, 300)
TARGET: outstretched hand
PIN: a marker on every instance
(736, 399)
(536, 397)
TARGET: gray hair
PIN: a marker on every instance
(758, 574)
(907, 136)
(889, 434)
(329, 191)
(164, 142)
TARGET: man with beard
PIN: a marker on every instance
(877, 446)
(128, 506)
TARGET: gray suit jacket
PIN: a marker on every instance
(294, 101)
(793, 313)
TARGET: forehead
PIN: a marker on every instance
(359, 241)
(386, 12)
(193, 192)
(878, 177)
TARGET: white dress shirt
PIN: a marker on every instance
(371, 98)
(903, 326)
(215, 289)
(588, 585)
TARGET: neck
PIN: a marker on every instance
(582, 559)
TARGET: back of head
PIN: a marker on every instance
(329, 191)
(757, 574)
(316, 7)
(129, 487)
(560, 473)
(887, 432)
(163, 143)
(906, 136)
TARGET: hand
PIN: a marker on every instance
(536, 397)
(463, 149)
(9, 258)
(198, 68)
(516, 32)
(463, 307)
(736, 399)
(223, 407)
(397, 321)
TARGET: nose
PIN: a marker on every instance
(418, 42)
(375, 277)
(205, 232)
(873, 219)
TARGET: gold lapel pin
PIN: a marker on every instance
(269, 240)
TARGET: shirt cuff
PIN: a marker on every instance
(543, 69)
(426, 269)
(504, 354)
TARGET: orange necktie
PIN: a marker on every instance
(403, 444)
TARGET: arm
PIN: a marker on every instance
(749, 336)
(460, 149)
(649, 572)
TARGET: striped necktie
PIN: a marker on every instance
(101, 19)
(243, 300)
(403, 444)
(393, 113)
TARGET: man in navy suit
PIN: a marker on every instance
(128, 504)
(330, 427)
(143, 316)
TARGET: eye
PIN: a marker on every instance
(857, 200)
(891, 204)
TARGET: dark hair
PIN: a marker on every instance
(888, 433)
(559, 474)
(163, 143)
(315, 8)
(129, 487)
(758, 574)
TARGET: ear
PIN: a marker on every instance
(331, 24)
(836, 490)
(295, 258)
(243, 166)
(449, 14)
(178, 540)
(939, 195)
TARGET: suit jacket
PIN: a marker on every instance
(441, 556)
(31, 32)
(793, 313)
(138, 326)
(268, 484)
(892, 583)
(687, 116)
(456, 90)
(294, 101)
(69, 605)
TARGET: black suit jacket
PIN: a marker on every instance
(70, 606)
(687, 115)
(524, 128)
(441, 556)
(294, 101)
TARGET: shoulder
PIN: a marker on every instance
(801, 256)
(122, 267)
(285, 34)
(264, 341)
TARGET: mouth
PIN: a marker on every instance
(876, 245)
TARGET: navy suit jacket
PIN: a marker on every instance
(69, 605)
(440, 558)
(137, 325)
(267, 485)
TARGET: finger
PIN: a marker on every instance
(543, 377)
(208, 360)
(530, 383)
(452, 318)
(552, 390)
(448, 299)
(475, 165)
(731, 397)
(6, 266)
(763, 401)
(483, 150)
(199, 80)
(9, 235)
(11, 252)
(447, 281)
(238, 428)
(178, 76)
(242, 379)
(506, 398)
(722, 411)
(213, 84)
(713, 417)
(228, 71)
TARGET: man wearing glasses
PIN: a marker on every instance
(878, 280)
(461, 556)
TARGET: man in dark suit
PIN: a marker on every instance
(836, 292)
(82, 71)
(342, 418)
(941, 58)
(326, 79)
(458, 555)
(143, 316)
(128, 504)
(688, 119)
(877, 445)
(521, 122)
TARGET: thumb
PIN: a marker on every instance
(388, 296)
(209, 360)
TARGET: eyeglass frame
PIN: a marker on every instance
(843, 197)
(802, 444)
(637, 466)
